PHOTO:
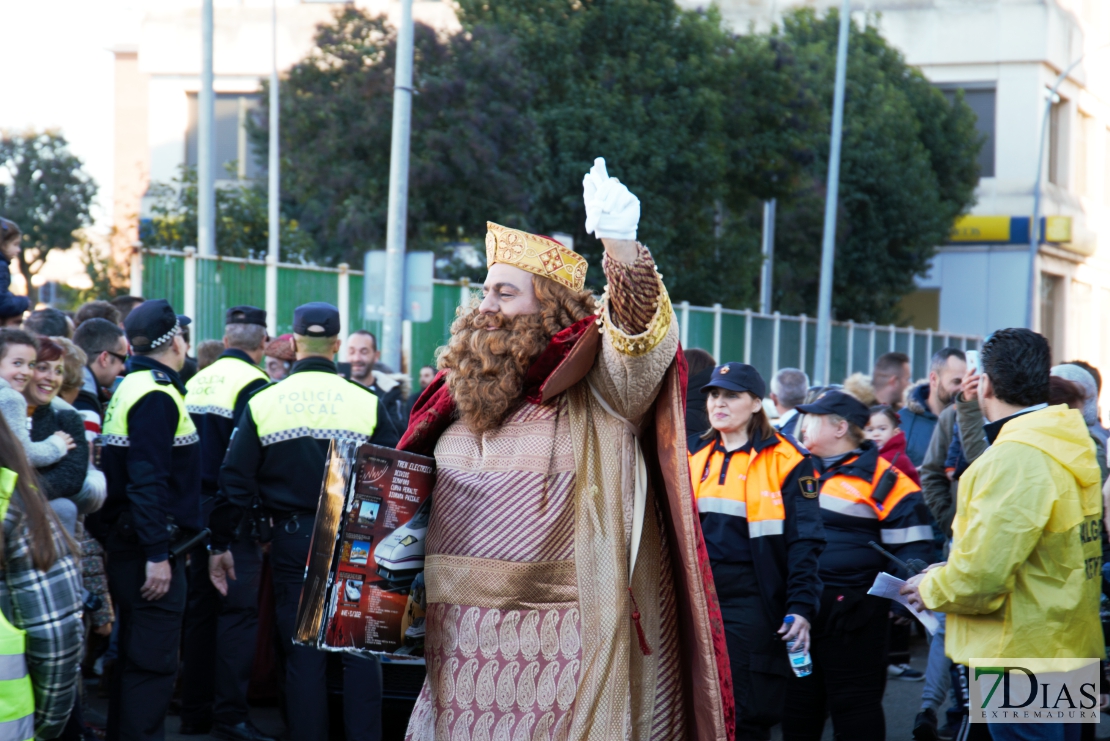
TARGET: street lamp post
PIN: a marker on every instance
(393, 312)
(828, 242)
(274, 252)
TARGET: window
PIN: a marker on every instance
(232, 144)
(980, 98)
(1082, 153)
(1058, 143)
(1052, 312)
(1106, 175)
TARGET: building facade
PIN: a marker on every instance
(1006, 55)
(157, 81)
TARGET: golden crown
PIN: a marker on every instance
(538, 255)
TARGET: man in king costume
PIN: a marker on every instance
(569, 594)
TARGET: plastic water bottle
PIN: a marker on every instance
(799, 657)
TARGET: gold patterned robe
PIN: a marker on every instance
(529, 635)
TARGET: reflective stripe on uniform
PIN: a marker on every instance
(296, 432)
(210, 409)
(898, 535)
(12, 666)
(20, 729)
(717, 505)
(844, 507)
(124, 441)
(759, 528)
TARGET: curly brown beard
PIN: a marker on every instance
(488, 365)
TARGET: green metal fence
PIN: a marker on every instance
(769, 342)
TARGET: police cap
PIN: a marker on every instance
(737, 377)
(316, 319)
(152, 324)
(841, 404)
(245, 315)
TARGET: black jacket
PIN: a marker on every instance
(905, 530)
(786, 565)
(151, 479)
(287, 474)
(65, 478)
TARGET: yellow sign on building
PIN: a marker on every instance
(981, 229)
(1057, 229)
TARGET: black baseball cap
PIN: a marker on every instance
(737, 377)
(153, 323)
(316, 319)
(245, 315)
(841, 404)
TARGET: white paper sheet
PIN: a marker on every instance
(887, 586)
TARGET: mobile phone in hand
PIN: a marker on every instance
(972, 361)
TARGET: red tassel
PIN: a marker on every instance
(645, 649)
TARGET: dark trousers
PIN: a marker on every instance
(305, 668)
(849, 650)
(149, 641)
(756, 653)
(220, 632)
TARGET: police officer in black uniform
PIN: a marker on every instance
(279, 453)
(220, 632)
(151, 458)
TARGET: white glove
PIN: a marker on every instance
(611, 210)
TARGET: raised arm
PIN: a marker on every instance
(640, 334)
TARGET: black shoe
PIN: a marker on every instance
(195, 727)
(925, 726)
(244, 731)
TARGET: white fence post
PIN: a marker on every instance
(343, 297)
(748, 336)
(136, 269)
(802, 350)
(464, 293)
(893, 337)
(928, 344)
(912, 335)
(190, 271)
(775, 344)
(871, 350)
(851, 345)
(684, 322)
(717, 333)
(272, 295)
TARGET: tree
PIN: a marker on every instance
(908, 169)
(242, 220)
(46, 193)
(472, 146)
(698, 121)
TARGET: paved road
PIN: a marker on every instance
(900, 704)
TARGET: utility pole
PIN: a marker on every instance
(765, 283)
(828, 242)
(206, 155)
(398, 194)
(274, 172)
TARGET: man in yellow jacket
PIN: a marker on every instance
(1023, 576)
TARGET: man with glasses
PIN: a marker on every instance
(106, 349)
